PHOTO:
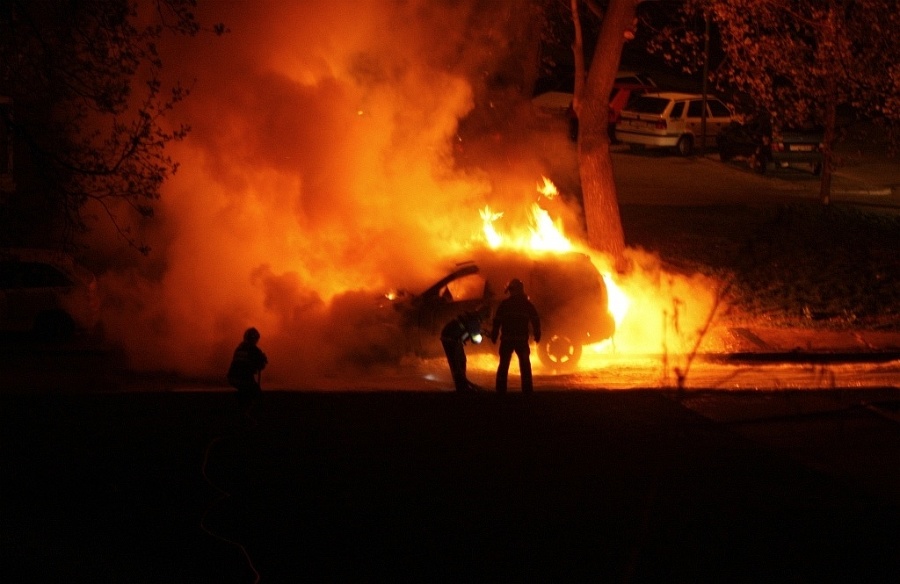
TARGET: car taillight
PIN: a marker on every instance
(660, 125)
(778, 146)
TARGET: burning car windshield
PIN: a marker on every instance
(470, 287)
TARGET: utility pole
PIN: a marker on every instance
(705, 83)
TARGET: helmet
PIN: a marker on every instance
(515, 286)
(251, 335)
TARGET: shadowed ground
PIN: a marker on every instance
(405, 486)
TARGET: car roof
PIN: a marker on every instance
(642, 78)
(677, 95)
(505, 264)
(59, 259)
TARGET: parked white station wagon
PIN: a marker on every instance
(672, 120)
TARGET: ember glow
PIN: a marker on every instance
(320, 172)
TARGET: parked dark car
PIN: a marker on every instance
(765, 147)
(626, 87)
(47, 295)
(567, 290)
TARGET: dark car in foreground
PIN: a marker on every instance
(764, 147)
(47, 295)
(567, 290)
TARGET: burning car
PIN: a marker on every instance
(567, 290)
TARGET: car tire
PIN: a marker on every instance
(685, 146)
(559, 352)
(53, 327)
(725, 154)
(636, 147)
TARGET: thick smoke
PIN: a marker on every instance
(319, 172)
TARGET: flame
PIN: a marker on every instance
(619, 303)
(548, 189)
(488, 217)
(542, 234)
(546, 234)
(647, 305)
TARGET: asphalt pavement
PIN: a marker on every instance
(658, 177)
(632, 486)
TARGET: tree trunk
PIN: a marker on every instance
(828, 151)
(601, 203)
(829, 34)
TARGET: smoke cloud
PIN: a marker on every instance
(318, 173)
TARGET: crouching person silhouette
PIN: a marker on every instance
(465, 328)
(511, 321)
(246, 366)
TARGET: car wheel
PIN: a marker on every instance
(636, 147)
(559, 352)
(685, 146)
(725, 154)
(53, 327)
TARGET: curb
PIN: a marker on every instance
(815, 357)
(878, 192)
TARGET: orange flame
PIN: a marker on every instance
(619, 302)
(543, 234)
(488, 217)
(548, 189)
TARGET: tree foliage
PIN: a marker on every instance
(798, 60)
(88, 108)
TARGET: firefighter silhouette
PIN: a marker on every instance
(465, 328)
(511, 322)
(246, 367)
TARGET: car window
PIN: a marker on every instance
(695, 109)
(470, 287)
(677, 110)
(718, 109)
(634, 79)
(648, 104)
